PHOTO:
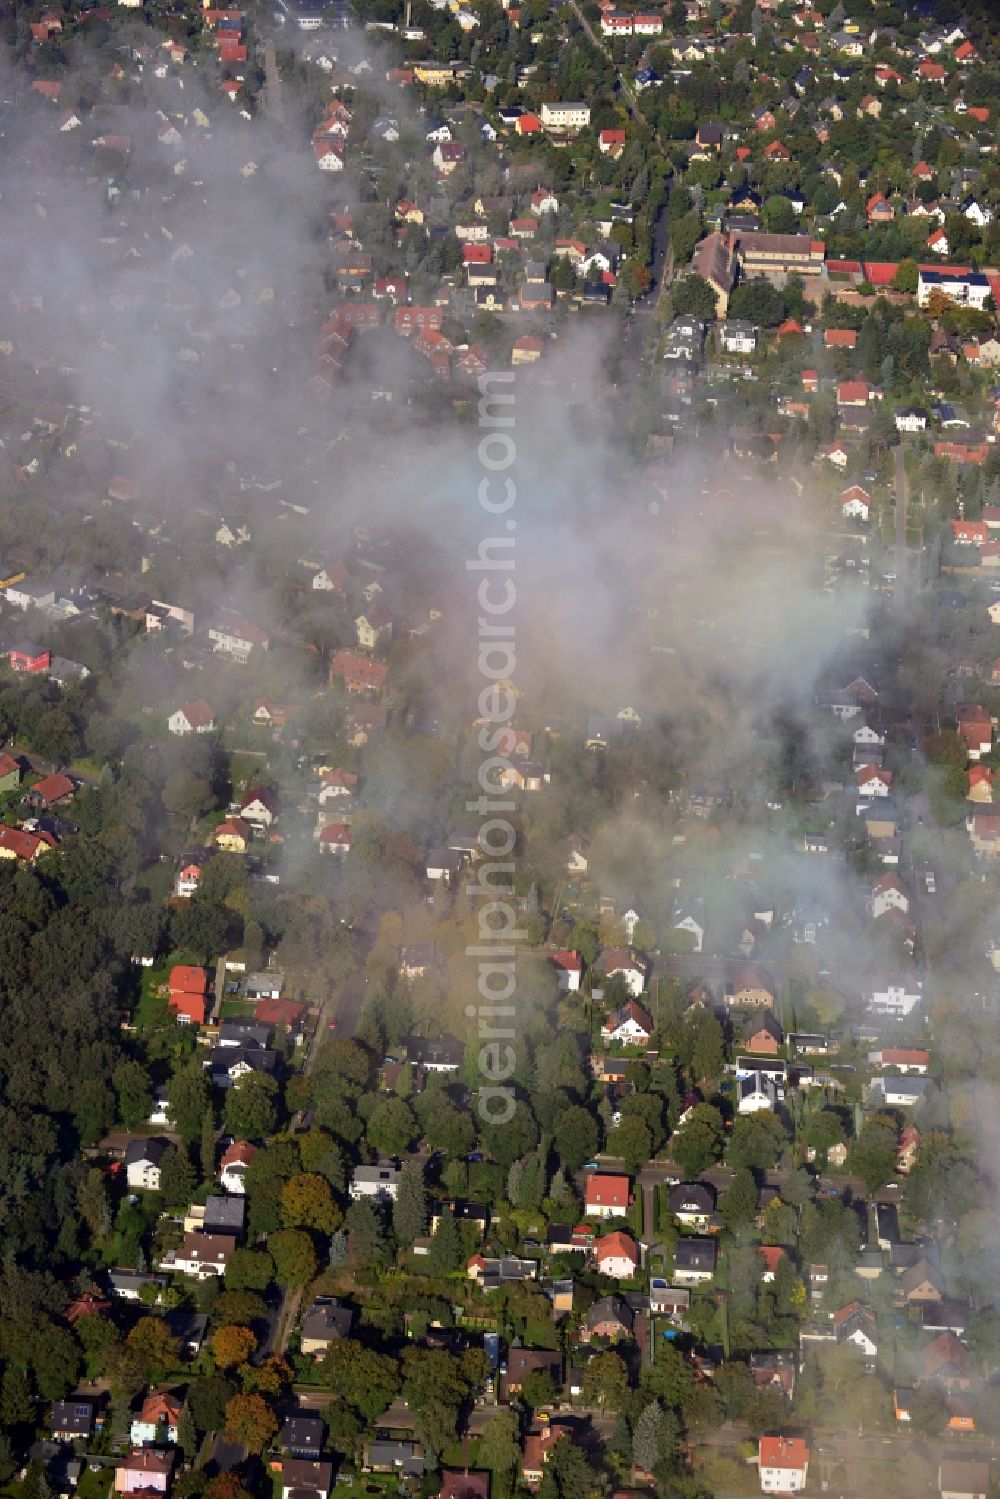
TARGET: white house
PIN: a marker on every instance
(606, 1195)
(911, 419)
(856, 1324)
(894, 995)
(201, 1255)
(569, 967)
(738, 337)
(899, 1092)
(756, 1092)
(617, 1255)
(192, 718)
(872, 780)
(381, 1181)
(559, 117)
(967, 288)
(686, 921)
(143, 1159)
(855, 503)
(889, 894)
(630, 1026)
(156, 1421)
(233, 1166)
(783, 1464)
(865, 734)
(628, 964)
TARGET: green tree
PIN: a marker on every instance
(294, 1257)
(446, 1244)
(698, 1142)
(576, 1137)
(906, 275)
(756, 1140)
(693, 295)
(367, 1380)
(250, 1111)
(177, 1178)
(391, 1128)
(365, 1234)
(187, 1093)
(632, 1141)
(134, 1098)
(409, 1211)
(500, 1451)
(249, 1270)
(739, 1203)
(872, 1156)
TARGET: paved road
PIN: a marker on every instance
(272, 81)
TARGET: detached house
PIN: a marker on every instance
(629, 965)
(617, 1255)
(156, 1422)
(142, 1164)
(606, 1195)
(144, 1471)
(783, 1464)
(192, 718)
(629, 1026)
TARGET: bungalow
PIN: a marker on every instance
(755, 1093)
(751, 988)
(73, 1420)
(975, 729)
(878, 210)
(895, 995)
(233, 636)
(980, 784)
(763, 1035)
(524, 1361)
(335, 838)
(966, 533)
(840, 338)
(358, 674)
(51, 791)
(889, 894)
(873, 781)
